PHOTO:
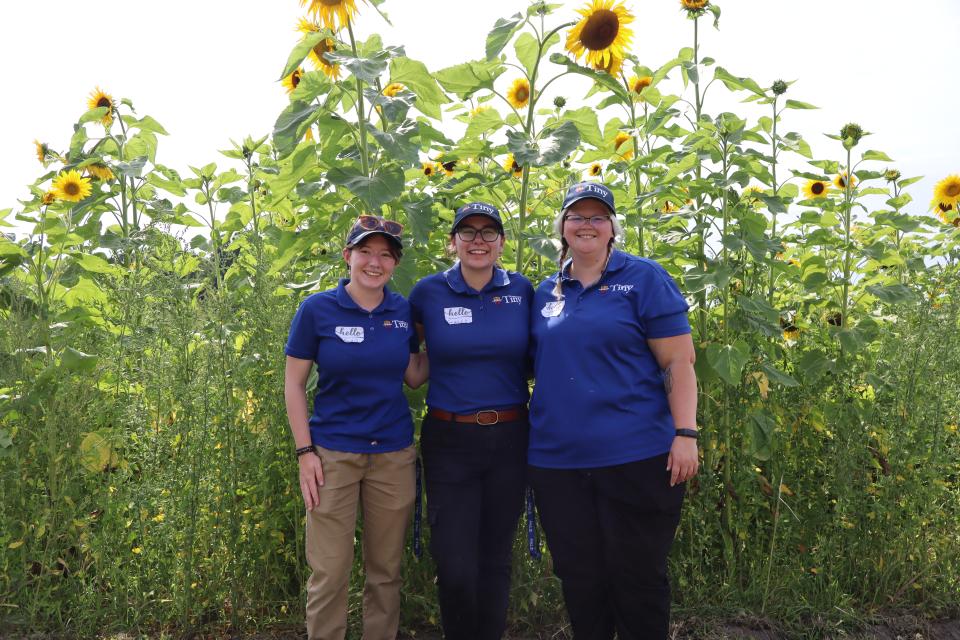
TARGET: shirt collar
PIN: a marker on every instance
(454, 278)
(616, 262)
(389, 302)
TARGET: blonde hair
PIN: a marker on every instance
(558, 229)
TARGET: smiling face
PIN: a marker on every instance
(478, 254)
(586, 238)
(371, 261)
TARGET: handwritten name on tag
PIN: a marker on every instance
(552, 309)
(457, 315)
(350, 334)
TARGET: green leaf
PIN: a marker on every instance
(302, 49)
(73, 360)
(8, 248)
(383, 186)
(892, 294)
(550, 147)
(686, 163)
(776, 375)
(813, 365)
(369, 68)
(291, 125)
(527, 48)
(93, 115)
(421, 218)
(500, 35)
(484, 123)
(796, 104)
(876, 155)
(414, 75)
(93, 263)
(585, 120)
(146, 123)
(762, 426)
(604, 79)
(399, 142)
(728, 361)
(311, 85)
(546, 246)
(466, 79)
(132, 169)
(292, 170)
(736, 83)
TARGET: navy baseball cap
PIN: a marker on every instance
(477, 209)
(584, 190)
(368, 225)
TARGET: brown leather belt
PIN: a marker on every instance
(486, 418)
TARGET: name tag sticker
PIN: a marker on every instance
(350, 334)
(552, 309)
(457, 315)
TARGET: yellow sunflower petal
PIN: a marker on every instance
(99, 98)
(99, 171)
(816, 189)
(840, 182)
(71, 186)
(392, 89)
(292, 80)
(601, 37)
(333, 14)
(639, 83)
(518, 94)
(947, 190)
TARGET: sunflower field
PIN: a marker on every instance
(147, 481)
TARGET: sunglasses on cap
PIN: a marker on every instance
(376, 223)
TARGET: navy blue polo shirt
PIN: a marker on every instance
(361, 357)
(599, 398)
(477, 341)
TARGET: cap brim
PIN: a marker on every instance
(458, 220)
(366, 234)
(577, 199)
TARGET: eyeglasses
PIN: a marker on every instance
(595, 221)
(376, 223)
(469, 234)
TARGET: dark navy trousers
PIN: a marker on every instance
(475, 478)
(609, 531)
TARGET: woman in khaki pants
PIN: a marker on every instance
(357, 444)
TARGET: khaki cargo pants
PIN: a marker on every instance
(383, 483)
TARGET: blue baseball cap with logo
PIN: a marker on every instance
(584, 190)
(477, 209)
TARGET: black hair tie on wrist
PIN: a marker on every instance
(689, 433)
(303, 450)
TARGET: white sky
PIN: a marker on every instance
(207, 69)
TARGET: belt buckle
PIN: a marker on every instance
(496, 417)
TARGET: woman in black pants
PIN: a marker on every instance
(475, 320)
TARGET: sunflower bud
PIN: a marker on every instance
(559, 102)
(851, 132)
(779, 88)
(891, 175)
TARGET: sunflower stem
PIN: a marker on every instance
(364, 165)
(776, 189)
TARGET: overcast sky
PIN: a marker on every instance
(207, 69)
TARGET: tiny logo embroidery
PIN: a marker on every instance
(507, 299)
(604, 289)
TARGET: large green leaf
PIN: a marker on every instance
(549, 148)
(814, 364)
(311, 85)
(585, 120)
(527, 48)
(780, 377)
(414, 75)
(303, 48)
(367, 68)
(604, 79)
(291, 125)
(93, 263)
(73, 360)
(399, 142)
(292, 170)
(501, 33)
(728, 361)
(466, 79)
(484, 123)
(891, 294)
(736, 83)
(762, 426)
(382, 187)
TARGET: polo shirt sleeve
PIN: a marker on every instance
(303, 339)
(663, 310)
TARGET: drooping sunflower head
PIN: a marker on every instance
(42, 150)
(619, 141)
(292, 80)
(948, 190)
(99, 171)
(639, 83)
(333, 14)
(71, 186)
(518, 95)
(601, 35)
(392, 89)
(448, 166)
(510, 165)
(330, 69)
(841, 180)
(595, 169)
(816, 189)
(99, 98)
(695, 6)
(48, 198)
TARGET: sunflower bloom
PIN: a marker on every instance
(510, 166)
(518, 95)
(947, 190)
(841, 180)
(98, 98)
(448, 166)
(639, 83)
(292, 80)
(333, 14)
(99, 171)
(816, 189)
(791, 334)
(326, 45)
(429, 169)
(601, 36)
(694, 5)
(392, 89)
(668, 207)
(618, 142)
(595, 169)
(48, 198)
(71, 186)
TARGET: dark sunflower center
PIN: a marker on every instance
(71, 188)
(601, 30)
(817, 188)
(331, 3)
(449, 166)
(945, 206)
(103, 102)
(952, 190)
(522, 93)
(295, 79)
(516, 167)
(842, 181)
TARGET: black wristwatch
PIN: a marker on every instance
(303, 450)
(689, 433)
